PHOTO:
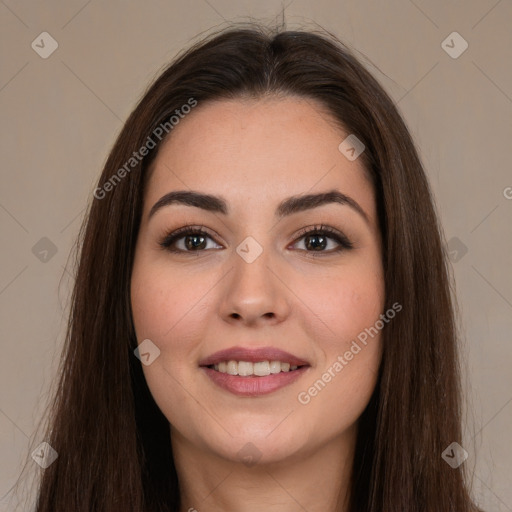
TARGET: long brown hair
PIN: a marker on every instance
(114, 442)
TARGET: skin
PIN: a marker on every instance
(255, 153)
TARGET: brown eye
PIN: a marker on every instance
(317, 239)
(194, 240)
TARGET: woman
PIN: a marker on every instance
(304, 356)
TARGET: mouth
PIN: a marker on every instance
(253, 372)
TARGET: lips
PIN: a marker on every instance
(253, 356)
(254, 386)
(248, 385)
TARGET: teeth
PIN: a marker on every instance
(275, 367)
(245, 369)
(232, 368)
(260, 369)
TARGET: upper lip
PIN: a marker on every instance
(252, 355)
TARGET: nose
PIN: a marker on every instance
(254, 293)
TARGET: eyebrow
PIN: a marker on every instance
(287, 207)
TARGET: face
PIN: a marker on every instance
(257, 271)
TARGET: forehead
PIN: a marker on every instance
(257, 151)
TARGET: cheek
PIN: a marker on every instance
(340, 387)
(163, 301)
(341, 306)
(361, 304)
(170, 309)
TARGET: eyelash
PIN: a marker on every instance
(340, 238)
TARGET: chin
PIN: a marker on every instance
(258, 445)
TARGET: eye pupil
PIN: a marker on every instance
(195, 245)
(316, 245)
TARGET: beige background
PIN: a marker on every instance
(60, 116)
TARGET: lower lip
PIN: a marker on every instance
(254, 386)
